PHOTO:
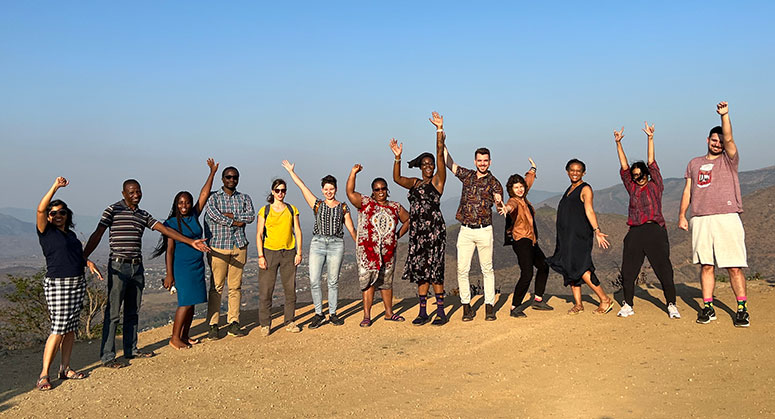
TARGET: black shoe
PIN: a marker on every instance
(335, 320)
(742, 319)
(439, 321)
(706, 315)
(317, 321)
(516, 312)
(421, 320)
(541, 305)
(234, 330)
(468, 314)
(489, 313)
(213, 333)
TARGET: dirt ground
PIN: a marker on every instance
(549, 364)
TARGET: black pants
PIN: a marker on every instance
(528, 256)
(649, 240)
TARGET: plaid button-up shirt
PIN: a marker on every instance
(219, 229)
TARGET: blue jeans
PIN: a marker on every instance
(328, 250)
(125, 285)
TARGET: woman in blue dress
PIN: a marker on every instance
(185, 265)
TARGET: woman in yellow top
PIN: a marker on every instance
(278, 239)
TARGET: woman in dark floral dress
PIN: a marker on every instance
(427, 231)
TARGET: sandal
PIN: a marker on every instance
(601, 310)
(43, 383)
(140, 354)
(114, 364)
(366, 323)
(439, 321)
(65, 374)
(421, 320)
(395, 318)
(193, 341)
(576, 310)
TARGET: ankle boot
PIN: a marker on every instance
(468, 314)
(489, 311)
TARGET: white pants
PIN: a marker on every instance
(468, 240)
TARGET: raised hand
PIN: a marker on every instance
(396, 148)
(532, 163)
(213, 165)
(356, 168)
(437, 120)
(61, 182)
(649, 130)
(722, 108)
(288, 166)
(618, 135)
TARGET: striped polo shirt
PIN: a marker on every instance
(126, 229)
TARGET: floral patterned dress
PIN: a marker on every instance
(427, 236)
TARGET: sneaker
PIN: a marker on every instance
(626, 311)
(265, 331)
(317, 321)
(706, 315)
(742, 319)
(234, 330)
(516, 312)
(291, 327)
(335, 320)
(672, 311)
(213, 333)
(468, 314)
(541, 305)
(490, 313)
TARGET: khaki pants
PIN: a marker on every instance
(225, 264)
(281, 260)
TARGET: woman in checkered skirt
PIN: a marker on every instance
(64, 285)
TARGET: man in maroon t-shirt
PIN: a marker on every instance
(718, 238)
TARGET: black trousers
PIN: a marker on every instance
(528, 256)
(649, 240)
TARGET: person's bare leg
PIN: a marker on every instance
(576, 289)
(387, 300)
(177, 327)
(368, 300)
(67, 349)
(189, 317)
(605, 301)
(708, 281)
(737, 279)
(49, 352)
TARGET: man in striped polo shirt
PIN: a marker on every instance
(126, 281)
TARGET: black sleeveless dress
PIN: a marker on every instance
(427, 236)
(573, 249)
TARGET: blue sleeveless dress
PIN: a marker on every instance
(188, 264)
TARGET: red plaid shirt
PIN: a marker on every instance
(645, 201)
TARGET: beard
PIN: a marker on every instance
(712, 152)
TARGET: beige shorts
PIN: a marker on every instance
(719, 240)
(381, 279)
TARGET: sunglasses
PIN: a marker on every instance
(279, 190)
(60, 212)
(379, 189)
(230, 177)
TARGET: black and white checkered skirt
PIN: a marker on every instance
(64, 297)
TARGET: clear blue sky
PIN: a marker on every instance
(102, 91)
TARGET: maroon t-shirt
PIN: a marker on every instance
(645, 201)
(715, 186)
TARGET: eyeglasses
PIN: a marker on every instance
(60, 212)
(379, 189)
(279, 190)
(230, 177)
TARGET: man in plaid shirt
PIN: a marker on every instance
(227, 213)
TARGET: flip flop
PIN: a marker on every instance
(43, 383)
(193, 341)
(395, 318)
(606, 310)
(366, 323)
(65, 374)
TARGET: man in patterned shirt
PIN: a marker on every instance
(227, 213)
(480, 191)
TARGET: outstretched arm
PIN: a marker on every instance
(649, 130)
(308, 195)
(686, 198)
(587, 197)
(354, 197)
(41, 219)
(440, 178)
(618, 135)
(207, 187)
(198, 244)
(726, 128)
(397, 149)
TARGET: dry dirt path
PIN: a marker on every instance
(546, 365)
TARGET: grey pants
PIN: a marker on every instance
(125, 285)
(281, 260)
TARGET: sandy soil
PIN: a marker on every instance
(546, 365)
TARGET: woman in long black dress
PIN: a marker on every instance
(576, 225)
(427, 231)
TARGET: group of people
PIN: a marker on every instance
(712, 189)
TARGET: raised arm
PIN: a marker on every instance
(649, 130)
(308, 195)
(440, 177)
(451, 165)
(726, 128)
(207, 187)
(530, 176)
(41, 219)
(397, 149)
(618, 135)
(686, 198)
(587, 197)
(354, 197)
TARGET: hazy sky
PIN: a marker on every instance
(101, 91)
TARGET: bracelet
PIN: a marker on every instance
(397, 160)
(440, 130)
(596, 229)
(261, 256)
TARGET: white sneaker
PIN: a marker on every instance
(291, 327)
(265, 331)
(626, 311)
(672, 311)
